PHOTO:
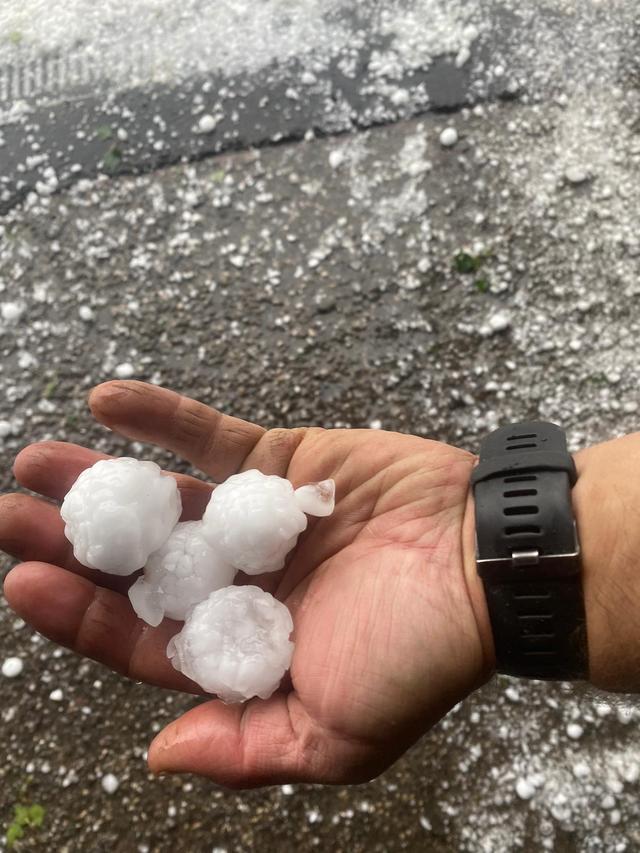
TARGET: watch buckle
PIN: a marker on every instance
(525, 558)
(529, 567)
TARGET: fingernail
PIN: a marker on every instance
(112, 394)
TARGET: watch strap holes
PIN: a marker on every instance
(531, 596)
(523, 530)
(537, 616)
(520, 493)
(521, 510)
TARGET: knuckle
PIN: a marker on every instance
(13, 503)
(96, 629)
(194, 419)
(34, 461)
(284, 441)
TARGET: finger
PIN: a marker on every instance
(52, 467)
(94, 622)
(32, 529)
(215, 443)
(259, 743)
(275, 450)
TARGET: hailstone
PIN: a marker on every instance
(118, 512)
(254, 519)
(182, 573)
(235, 644)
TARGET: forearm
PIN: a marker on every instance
(606, 502)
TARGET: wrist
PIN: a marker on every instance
(606, 502)
(475, 587)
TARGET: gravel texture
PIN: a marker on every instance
(376, 280)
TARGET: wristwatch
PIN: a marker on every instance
(528, 553)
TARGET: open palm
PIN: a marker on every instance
(386, 639)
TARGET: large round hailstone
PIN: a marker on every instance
(254, 519)
(118, 512)
(182, 573)
(235, 644)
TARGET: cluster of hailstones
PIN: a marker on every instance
(122, 515)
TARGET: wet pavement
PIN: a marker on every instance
(373, 279)
(119, 89)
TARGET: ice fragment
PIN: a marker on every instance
(317, 499)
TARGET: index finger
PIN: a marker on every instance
(215, 443)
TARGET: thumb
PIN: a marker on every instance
(259, 743)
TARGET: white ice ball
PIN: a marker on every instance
(207, 123)
(254, 519)
(235, 644)
(180, 574)
(110, 783)
(12, 667)
(449, 137)
(118, 512)
(11, 311)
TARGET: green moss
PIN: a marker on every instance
(112, 159)
(104, 132)
(598, 379)
(24, 818)
(50, 387)
(466, 264)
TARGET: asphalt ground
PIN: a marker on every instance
(372, 279)
(126, 92)
(283, 288)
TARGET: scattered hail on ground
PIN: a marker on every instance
(380, 279)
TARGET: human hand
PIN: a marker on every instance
(388, 629)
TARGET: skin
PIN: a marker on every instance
(391, 627)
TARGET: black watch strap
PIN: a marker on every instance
(528, 553)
